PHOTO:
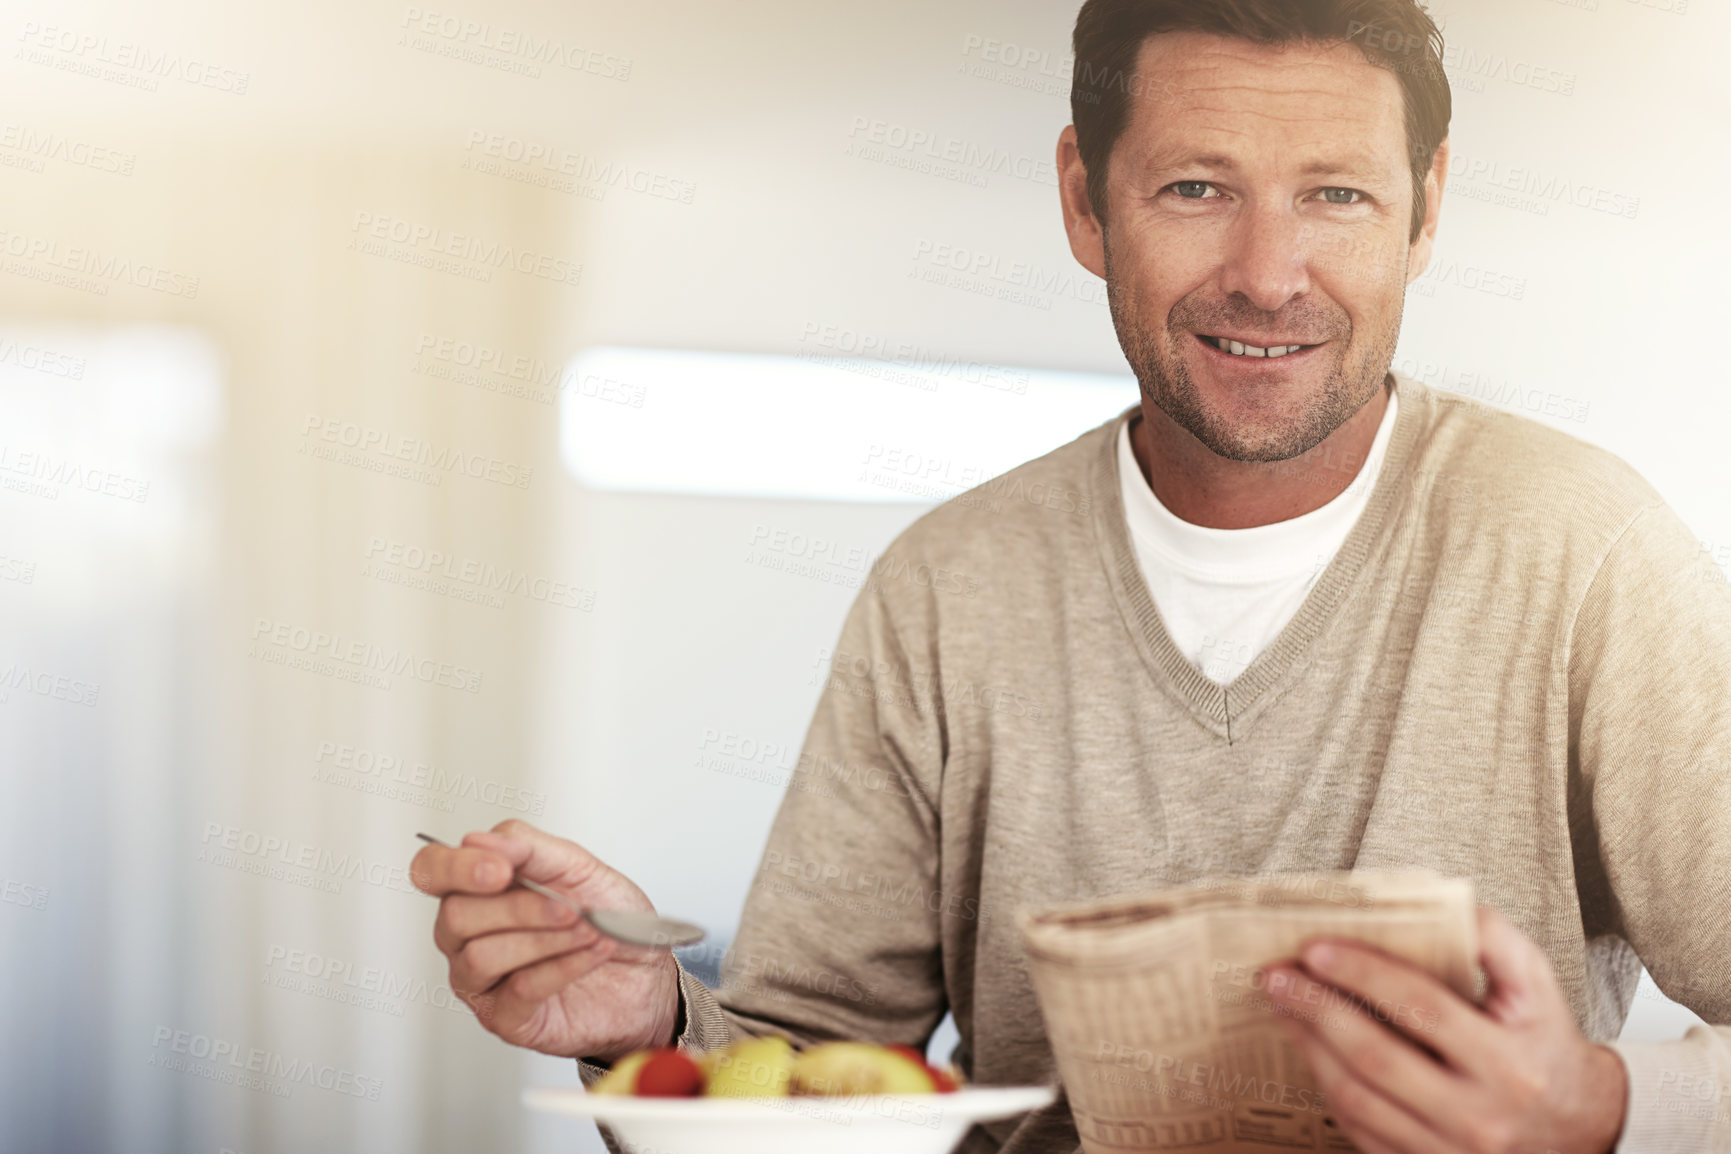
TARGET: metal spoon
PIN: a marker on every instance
(630, 926)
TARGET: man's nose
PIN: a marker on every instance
(1266, 258)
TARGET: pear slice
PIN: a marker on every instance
(848, 1068)
(750, 1068)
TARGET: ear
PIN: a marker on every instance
(1087, 240)
(1418, 259)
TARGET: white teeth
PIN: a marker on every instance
(1240, 349)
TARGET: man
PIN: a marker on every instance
(1293, 614)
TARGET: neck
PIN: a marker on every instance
(1204, 488)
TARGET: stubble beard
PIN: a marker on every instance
(1166, 380)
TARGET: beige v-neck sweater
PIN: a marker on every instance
(1517, 669)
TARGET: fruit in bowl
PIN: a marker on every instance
(752, 1068)
(865, 1068)
(761, 1096)
(769, 1067)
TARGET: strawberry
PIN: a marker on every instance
(669, 1073)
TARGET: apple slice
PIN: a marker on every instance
(751, 1068)
(848, 1068)
(621, 1078)
(943, 1081)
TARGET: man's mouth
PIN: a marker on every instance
(1243, 349)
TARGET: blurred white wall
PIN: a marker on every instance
(263, 228)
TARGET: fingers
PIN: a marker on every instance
(1371, 1052)
(524, 996)
(1375, 1124)
(483, 962)
(441, 870)
(465, 916)
(534, 984)
(1407, 1000)
(1523, 983)
(485, 861)
(537, 853)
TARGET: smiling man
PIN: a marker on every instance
(1302, 614)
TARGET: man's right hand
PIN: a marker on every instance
(535, 973)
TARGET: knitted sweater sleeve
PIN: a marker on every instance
(1650, 714)
(832, 944)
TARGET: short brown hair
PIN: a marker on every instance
(1394, 34)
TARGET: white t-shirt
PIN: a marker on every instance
(1225, 594)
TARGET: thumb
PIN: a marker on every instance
(537, 854)
(1522, 981)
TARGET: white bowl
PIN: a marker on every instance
(865, 1124)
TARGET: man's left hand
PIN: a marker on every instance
(1410, 1067)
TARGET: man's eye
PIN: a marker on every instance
(1342, 195)
(1193, 189)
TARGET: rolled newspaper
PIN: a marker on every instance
(1162, 1034)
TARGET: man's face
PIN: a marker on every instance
(1259, 194)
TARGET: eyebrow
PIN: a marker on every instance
(1352, 164)
(1358, 164)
